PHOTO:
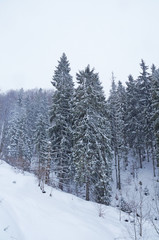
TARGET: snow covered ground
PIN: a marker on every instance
(139, 189)
(28, 214)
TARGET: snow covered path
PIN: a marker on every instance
(27, 214)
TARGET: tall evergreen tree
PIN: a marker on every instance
(131, 111)
(61, 122)
(91, 150)
(112, 109)
(144, 90)
(121, 144)
(139, 114)
(41, 142)
(117, 108)
(152, 114)
(155, 106)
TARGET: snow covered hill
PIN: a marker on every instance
(28, 214)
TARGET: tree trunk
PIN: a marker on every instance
(116, 169)
(119, 177)
(87, 188)
(61, 181)
(48, 166)
(141, 206)
(153, 160)
(140, 158)
(147, 153)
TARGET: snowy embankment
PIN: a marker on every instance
(28, 214)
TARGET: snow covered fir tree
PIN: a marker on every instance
(91, 138)
(76, 140)
(61, 123)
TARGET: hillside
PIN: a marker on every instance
(27, 214)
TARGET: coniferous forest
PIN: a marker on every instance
(74, 138)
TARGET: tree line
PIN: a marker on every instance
(72, 138)
(134, 118)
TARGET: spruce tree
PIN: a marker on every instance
(138, 114)
(41, 149)
(112, 110)
(155, 106)
(131, 111)
(117, 108)
(144, 90)
(121, 144)
(61, 122)
(91, 149)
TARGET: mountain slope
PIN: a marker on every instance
(27, 214)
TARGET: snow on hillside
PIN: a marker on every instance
(139, 188)
(28, 214)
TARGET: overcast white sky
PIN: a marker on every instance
(110, 35)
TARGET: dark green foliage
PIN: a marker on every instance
(61, 122)
(91, 149)
(117, 116)
(138, 114)
(75, 146)
(155, 106)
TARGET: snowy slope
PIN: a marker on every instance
(135, 196)
(27, 214)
